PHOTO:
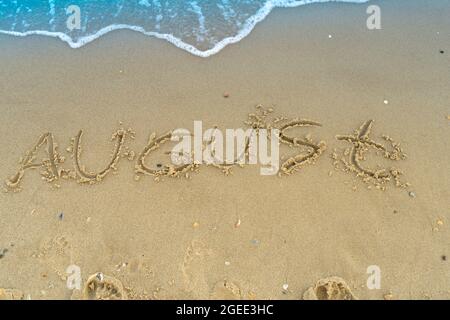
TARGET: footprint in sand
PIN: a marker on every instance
(11, 294)
(103, 287)
(332, 288)
(226, 290)
(194, 269)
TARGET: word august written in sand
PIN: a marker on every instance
(249, 146)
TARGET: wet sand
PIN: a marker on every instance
(241, 235)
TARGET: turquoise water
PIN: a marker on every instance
(198, 26)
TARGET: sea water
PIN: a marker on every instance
(201, 27)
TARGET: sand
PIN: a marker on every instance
(241, 235)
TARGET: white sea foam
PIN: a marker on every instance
(244, 30)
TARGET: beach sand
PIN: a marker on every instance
(241, 235)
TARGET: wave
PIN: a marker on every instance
(244, 30)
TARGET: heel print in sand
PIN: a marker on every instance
(103, 287)
(361, 143)
(11, 294)
(332, 288)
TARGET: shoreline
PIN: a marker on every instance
(249, 25)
